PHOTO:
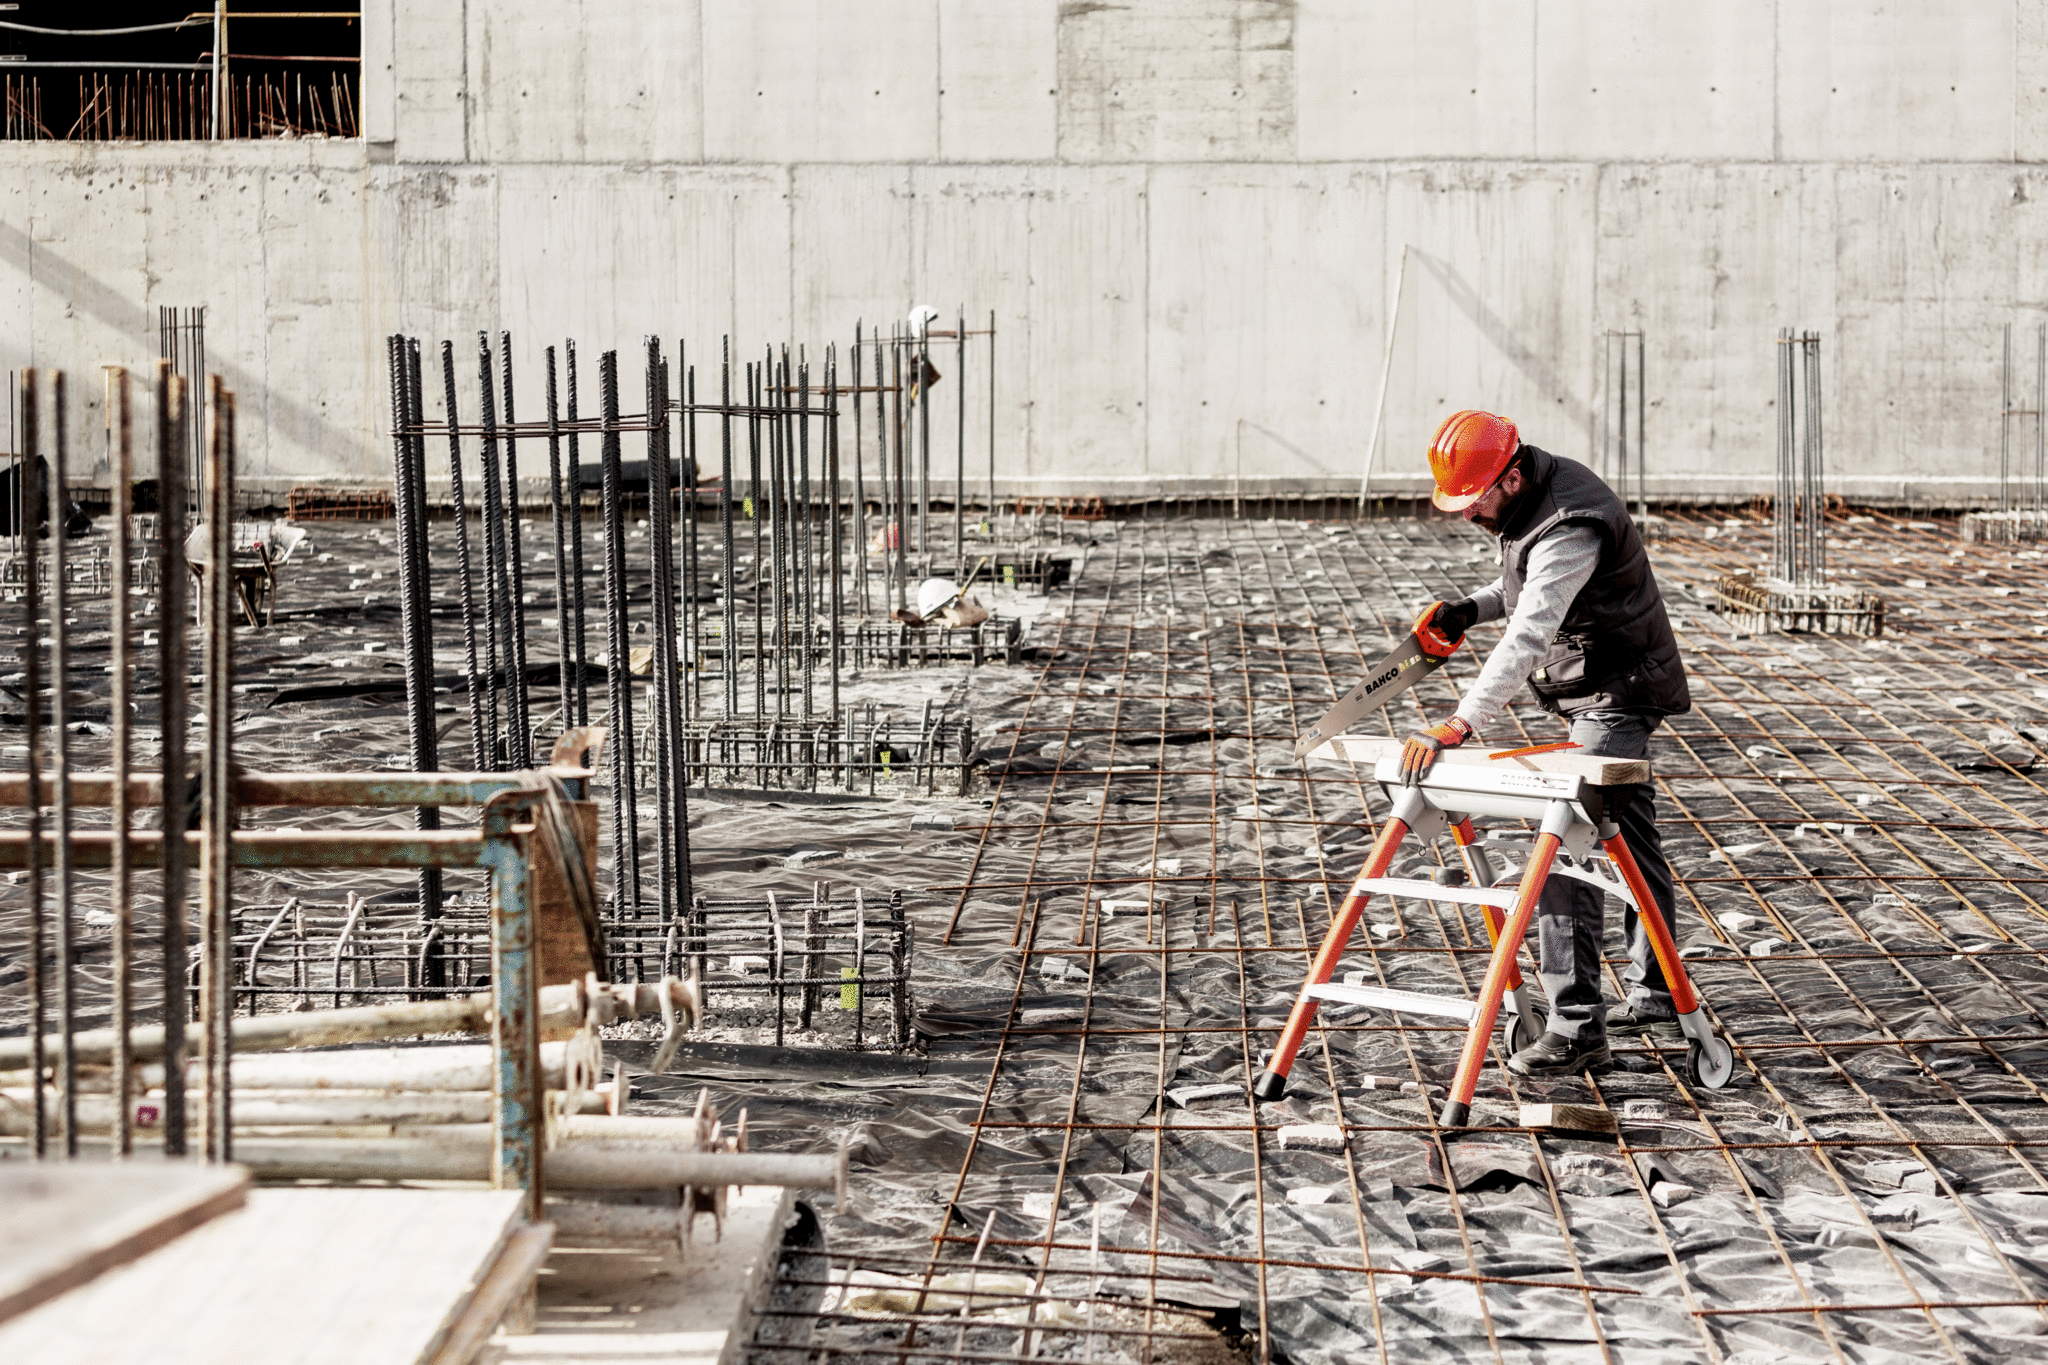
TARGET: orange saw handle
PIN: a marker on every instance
(1434, 642)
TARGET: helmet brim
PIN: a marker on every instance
(1445, 502)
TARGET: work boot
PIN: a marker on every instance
(1556, 1055)
(1661, 1030)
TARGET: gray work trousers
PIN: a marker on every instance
(1571, 916)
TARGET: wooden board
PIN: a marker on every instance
(1603, 772)
(66, 1224)
(297, 1277)
(565, 941)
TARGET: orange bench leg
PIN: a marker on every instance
(1272, 1082)
(1464, 836)
(1459, 1106)
(1675, 980)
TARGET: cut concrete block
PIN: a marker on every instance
(1666, 1194)
(1312, 1137)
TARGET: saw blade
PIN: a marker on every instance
(1406, 666)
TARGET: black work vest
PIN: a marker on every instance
(1614, 650)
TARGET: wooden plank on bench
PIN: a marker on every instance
(1603, 772)
(311, 1276)
(67, 1223)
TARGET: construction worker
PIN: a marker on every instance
(1586, 630)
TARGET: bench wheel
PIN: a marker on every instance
(1518, 1030)
(1710, 1064)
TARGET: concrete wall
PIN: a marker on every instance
(1188, 215)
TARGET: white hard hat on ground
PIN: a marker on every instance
(934, 595)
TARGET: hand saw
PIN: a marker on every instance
(1408, 665)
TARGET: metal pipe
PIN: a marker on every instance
(518, 1129)
(576, 1166)
(561, 1009)
(1379, 407)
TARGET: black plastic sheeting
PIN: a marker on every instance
(1854, 931)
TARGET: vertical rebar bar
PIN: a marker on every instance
(1642, 448)
(1781, 529)
(776, 394)
(838, 547)
(217, 817)
(480, 730)
(173, 615)
(960, 445)
(885, 484)
(860, 496)
(578, 634)
(565, 664)
(693, 662)
(899, 530)
(807, 607)
(924, 438)
(409, 483)
(662, 670)
(991, 417)
(728, 645)
(1816, 471)
(497, 581)
(30, 510)
(1621, 417)
(756, 382)
(60, 763)
(519, 700)
(2005, 420)
(618, 662)
(120, 892)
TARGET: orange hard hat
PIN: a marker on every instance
(1468, 454)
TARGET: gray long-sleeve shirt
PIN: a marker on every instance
(1560, 564)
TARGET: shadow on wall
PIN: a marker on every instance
(50, 271)
(1539, 370)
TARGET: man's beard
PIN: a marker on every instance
(1490, 525)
